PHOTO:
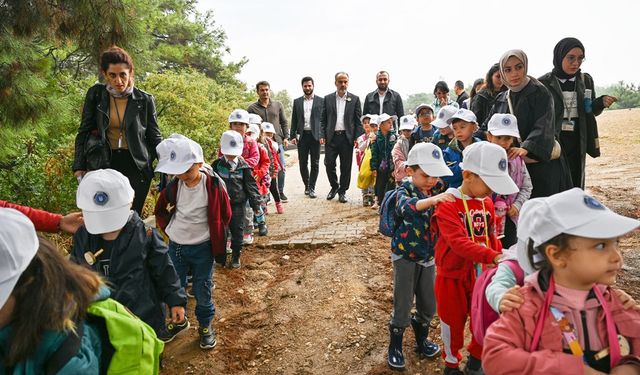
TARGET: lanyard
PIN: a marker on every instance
(484, 216)
(121, 120)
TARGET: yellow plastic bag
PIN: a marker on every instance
(366, 179)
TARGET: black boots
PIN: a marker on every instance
(396, 358)
(424, 347)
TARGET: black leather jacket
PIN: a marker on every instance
(141, 126)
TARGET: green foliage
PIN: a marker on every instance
(414, 100)
(628, 94)
(283, 97)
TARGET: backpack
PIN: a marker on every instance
(389, 219)
(482, 314)
(129, 345)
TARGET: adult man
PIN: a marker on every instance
(273, 112)
(339, 127)
(384, 100)
(462, 95)
(305, 131)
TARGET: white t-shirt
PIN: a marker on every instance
(190, 225)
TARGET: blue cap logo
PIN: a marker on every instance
(593, 203)
(238, 115)
(405, 120)
(506, 121)
(172, 156)
(502, 165)
(233, 143)
(101, 198)
(436, 154)
(441, 114)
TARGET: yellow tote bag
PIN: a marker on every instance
(365, 178)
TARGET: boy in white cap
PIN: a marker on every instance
(370, 126)
(133, 258)
(503, 131)
(381, 161)
(400, 150)
(412, 251)
(464, 124)
(241, 186)
(465, 229)
(426, 131)
(444, 134)
(193, 211)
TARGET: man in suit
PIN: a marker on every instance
(340, 126)
(305, 132)
(384, 100)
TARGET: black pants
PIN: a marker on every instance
(274, 188)
(510, 233)
(339, 147)
(236, 226)
(384, 183)
(309, 146)
(140, 180)
(570, 142)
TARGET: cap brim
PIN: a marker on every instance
(503, 185)
(607, 225)
(231, 151)
(406, 128)
(440, 124)
(498, 133)
(99, 222)
(436, 169)
(168, 167)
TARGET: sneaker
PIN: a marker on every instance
(207, 337)
(235, 262)
(283, 198)
(262, 230)
(171, 330)
(247, 239)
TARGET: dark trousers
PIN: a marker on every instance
(384, 183)
(309, 146)
(140, 180)
(510, 233)
(570, 142)
(236, 227)
(274, 188)
(339, 147)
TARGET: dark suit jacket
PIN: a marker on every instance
(352, 113)
(297, 116)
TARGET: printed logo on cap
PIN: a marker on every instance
(405, 120)
(502, 165)
(233, 143)
(506, 121)
(436, 154)
(238, 115)
(460, 111)
(172, 156)
(441, 114)
(101, 198)
(593, 203)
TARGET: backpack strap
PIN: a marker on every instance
(67, 350)
(517, 270)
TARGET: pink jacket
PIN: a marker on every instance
(508, 340)
(399, 154)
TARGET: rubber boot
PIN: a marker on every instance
(424, 347)
(396, 358)
(279, 207)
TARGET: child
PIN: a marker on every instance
(466, 239)
(193, 211)
(260, 173)
(412, 251)
(241, 187)
(370, 125)
(503, 131)
(571, 242)
(424, 132)
(464, 124)
(274, 167)
(381, 162)
(443, 134)
(401, 148)
(132, 258)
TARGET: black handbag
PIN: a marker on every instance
(96, 152)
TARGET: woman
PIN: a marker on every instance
(478, 84)
(42, 298)
(577, 122)
(532, 104)
(441, 92)
(482, 102)
(119, 128)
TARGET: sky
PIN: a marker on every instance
(420, 42)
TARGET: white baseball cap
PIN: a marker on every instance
(503, 124)
(231, 143)
(268, 127)
(384, 117)
(489, 161)
(464, 115)
(373, 120)
(369, 116)
(177, 154)
(105, 198)
(254, 119)
(254, 129)
(239, 115)
(572, 212)
(429, 158)
(443, 116)
(421, 107)
(408, 122)
(18, 245)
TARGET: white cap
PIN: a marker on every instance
(18, 245)
(429, 158)
(254, 129)
(384, 117)
(239, 115)
(464, 115)
(268, 127)
(503, 124)
(369, 116)
(105, 198)
(443, 116)
(489, 161)
(231, 143)
(254, 119)
(177, 154)
(572, 212)
(374, 120)
(408, 122)
(421, 107)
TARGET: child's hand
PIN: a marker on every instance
(514, 152)
(442, 197)
(624, 370)
(512, 299)
(177, 314)
(513, 211)
(627, 301)
(374, 173)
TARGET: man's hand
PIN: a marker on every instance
(285, 142)
(512, 299)
(321, 141)
(294, 141)
(177, 314)
(71, 222)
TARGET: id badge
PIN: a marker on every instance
(568, 125)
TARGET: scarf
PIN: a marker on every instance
(520, 55)
(559, 52)
(117, 94)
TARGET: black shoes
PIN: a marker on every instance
(283, 198)
(332, 193)
(312, 194)
(207, 337)
(342, 198)
(262, 229)
(306, 191)
(235, 261)
(172, 330)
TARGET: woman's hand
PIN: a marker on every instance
(607, 100)
(513, 211)
(514, 152)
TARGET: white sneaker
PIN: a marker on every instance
(247, 239)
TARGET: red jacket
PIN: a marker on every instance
(508, 341)
(219, 209)
(454, 250)
(261, 171)
(43, 221)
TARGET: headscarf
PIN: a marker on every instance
(560, 51)
(520, 55)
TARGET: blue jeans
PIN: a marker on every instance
(281, 173)
(199, 260)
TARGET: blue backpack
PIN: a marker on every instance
(389, 220)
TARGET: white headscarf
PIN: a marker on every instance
(520, 55)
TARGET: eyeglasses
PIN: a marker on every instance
(573, 59)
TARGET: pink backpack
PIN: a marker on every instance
(482, 314)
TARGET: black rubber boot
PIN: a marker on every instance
(424, 347)
(396, 358)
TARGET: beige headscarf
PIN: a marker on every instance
(520, 55)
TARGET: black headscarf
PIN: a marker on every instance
(560, 51)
